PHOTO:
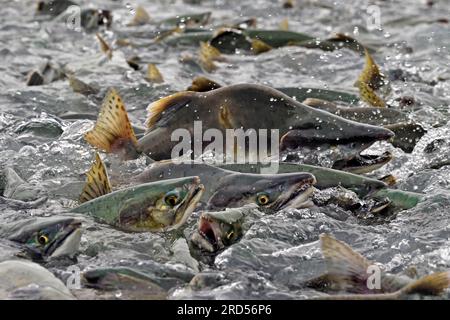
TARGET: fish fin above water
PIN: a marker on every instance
(208, 54)
(97, 182)
(140, 17)
(165, 106)
(284, 24)
(346, 267)
(432, 284)
(112, 131)
(370, 80)
(202, 84)
(104, 46)
(368, 95)
(153, 74)
(259, 46)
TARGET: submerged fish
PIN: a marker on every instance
(47, 237)
(228, 189)
(217, 230)
(232, 107)
(348, 271)
(327, 178)
(25, 280)
(158, 206)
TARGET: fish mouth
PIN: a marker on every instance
(67, 242)
(208, 234)
(298, 195)
(185, 209)
(363, 163)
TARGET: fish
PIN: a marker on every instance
(231, 40)
(407, 132)
(235, 106)
(25, 280)
(218, 230)
(363, 163)
(326, 178)
(46, 73)
(228, 189)
(132, 283)
(319, 98)
(154, 207)
(45, 237)
(348, 271)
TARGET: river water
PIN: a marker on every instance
(277, 252)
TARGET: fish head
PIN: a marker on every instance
(161, 206)
(218, 230)
(319, 129)
(48, 237)
(270, 192)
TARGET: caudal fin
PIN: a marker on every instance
(432, 284)
(113, 131)
(97, 182)
(369, 81)
(346, 268)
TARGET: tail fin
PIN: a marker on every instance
(369, 81)
(347, 268)
(113, 131)
(97, 183)
(432, 284)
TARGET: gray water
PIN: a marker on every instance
(279, 251)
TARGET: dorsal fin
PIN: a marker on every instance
(347, 268)
(153, 74)
(97, 182)
(165, 105)
(104, 46)
(284, 24)
(207, 55)
(113, 130)
(140, 17)
(202, 84)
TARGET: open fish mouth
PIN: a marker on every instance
(363, 163)
(188, 205)
(67, 243)
(297, 197)
(208, 235)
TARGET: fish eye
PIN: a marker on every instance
(172, 199)
(42, 239)
(262, 199)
